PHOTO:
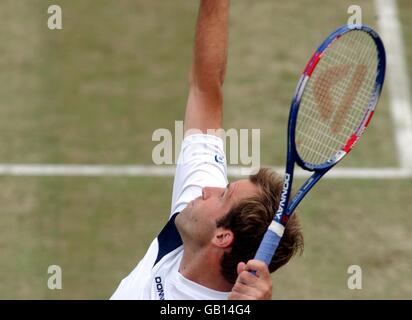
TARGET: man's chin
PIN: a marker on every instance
(182, 216)
(180, 221)
(188, 208)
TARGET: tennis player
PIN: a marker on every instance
(206, 249)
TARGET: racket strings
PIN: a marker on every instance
(322, 135)
(353, 113)
(338, 88)
(336, 97)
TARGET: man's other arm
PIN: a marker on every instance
(205, 102)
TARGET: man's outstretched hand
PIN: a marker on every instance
(249, 286)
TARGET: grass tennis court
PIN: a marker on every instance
(94, 92)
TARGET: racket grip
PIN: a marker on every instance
(268, 247)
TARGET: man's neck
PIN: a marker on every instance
(203, 267)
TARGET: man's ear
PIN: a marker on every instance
(223, 238)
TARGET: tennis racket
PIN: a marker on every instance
(333, 104)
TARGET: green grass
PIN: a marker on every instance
(95, 229)
(95, 92)
(98, 229)
(361, 223)
(84, 94)
(270, 46)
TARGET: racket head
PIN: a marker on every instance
(336, 97)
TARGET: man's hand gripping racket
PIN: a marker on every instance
(333, 104)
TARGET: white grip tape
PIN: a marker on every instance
(277, 228)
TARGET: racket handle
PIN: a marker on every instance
(268, 247)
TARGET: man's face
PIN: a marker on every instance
(197, 222)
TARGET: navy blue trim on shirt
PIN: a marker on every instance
(169, 239)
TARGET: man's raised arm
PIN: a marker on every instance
(205, 102)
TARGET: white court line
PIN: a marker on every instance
(168, 171)
(400, 103)
(397, 78)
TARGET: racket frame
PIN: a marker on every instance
(286, 208)
(292, 154)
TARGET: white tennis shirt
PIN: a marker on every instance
(201, 163)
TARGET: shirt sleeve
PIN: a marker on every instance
(201, 163)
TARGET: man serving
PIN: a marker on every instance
(206, 249)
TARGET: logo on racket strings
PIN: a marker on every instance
(333, 104)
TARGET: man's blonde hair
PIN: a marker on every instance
(249, 219)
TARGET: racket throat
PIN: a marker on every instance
(280, 217)
(304, 190)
